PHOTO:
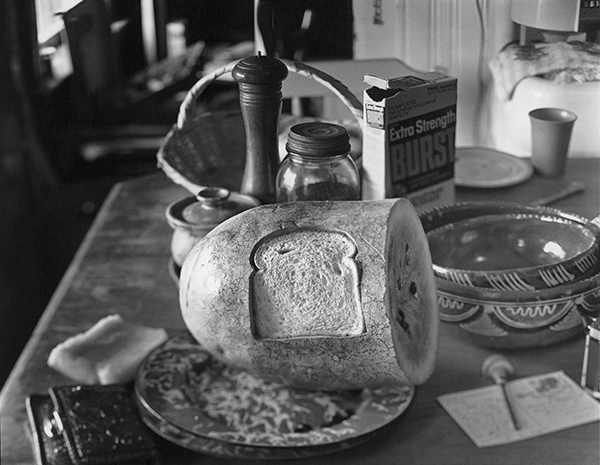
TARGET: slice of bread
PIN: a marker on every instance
(109, 352)
(306, 284)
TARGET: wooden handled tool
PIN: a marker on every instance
(498, 368)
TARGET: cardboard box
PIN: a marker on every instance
(409, 138)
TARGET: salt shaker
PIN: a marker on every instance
(318, 165)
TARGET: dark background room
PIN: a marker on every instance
(77, 117)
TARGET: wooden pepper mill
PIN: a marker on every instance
(260, 80)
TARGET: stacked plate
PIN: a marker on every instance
(194, 401)
(514, 276)
(482, 167)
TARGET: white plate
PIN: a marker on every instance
(488, 168)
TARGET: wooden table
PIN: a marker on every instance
(122, 268)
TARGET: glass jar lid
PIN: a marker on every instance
(318, 139)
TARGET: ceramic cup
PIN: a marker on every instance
(550, 137)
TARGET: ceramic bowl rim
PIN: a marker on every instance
(505, 207)
(590, 251)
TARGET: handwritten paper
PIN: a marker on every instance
(541, 404)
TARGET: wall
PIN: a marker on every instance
(457, 37)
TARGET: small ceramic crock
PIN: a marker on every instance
(194, 217)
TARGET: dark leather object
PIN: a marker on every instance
(85, 424)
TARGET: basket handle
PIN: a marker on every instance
(188, 106)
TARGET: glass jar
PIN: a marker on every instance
(318, 165)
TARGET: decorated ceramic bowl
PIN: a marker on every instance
(519, 319)
(513, 251)
(509, 318)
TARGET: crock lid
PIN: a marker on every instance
(216, 204)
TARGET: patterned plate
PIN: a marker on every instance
(235, 451)
(195, 401)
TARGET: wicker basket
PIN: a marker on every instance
(210, 149)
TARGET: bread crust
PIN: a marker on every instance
(216, 298)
